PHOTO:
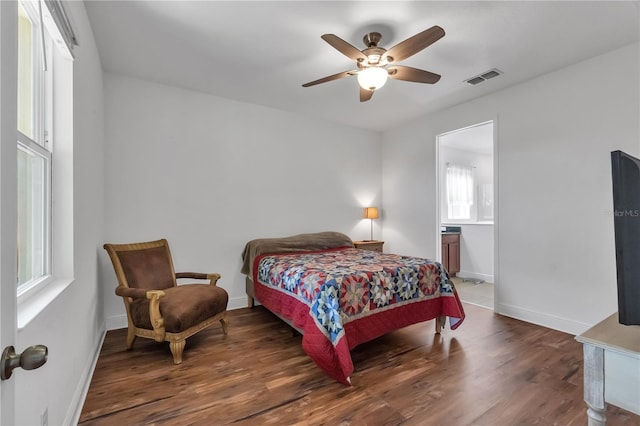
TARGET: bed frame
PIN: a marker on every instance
(251, 303)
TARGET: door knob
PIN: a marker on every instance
(33, 357)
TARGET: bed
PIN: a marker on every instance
(338, 296)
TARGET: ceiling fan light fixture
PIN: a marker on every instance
(372, 78)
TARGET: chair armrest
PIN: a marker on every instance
(134, 293)
(193, 275)
(213, 278)
(157, 322)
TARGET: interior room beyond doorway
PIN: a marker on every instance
(466, 207)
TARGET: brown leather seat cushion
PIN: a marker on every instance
(182, 307)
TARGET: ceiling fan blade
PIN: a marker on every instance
(400, 72)
(414, 44)
(365, 94)
(345, 48)
(330, 78)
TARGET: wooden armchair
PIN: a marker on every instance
(158, 308)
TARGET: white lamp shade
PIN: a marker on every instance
(372, 78)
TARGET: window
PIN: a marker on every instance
(45, 42)
(459, 181)
(34, 155)
(33, 212)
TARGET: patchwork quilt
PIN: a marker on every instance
(341, 297)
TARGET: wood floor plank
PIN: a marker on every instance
(493, 370)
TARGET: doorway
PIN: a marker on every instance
(466, 216)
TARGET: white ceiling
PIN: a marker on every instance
(262, 52)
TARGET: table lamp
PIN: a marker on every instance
(371, 213)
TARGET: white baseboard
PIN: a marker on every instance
(116, 322)
(120, 321)
(237, 303)
(77, 402)
(476, 275)
(540, 318)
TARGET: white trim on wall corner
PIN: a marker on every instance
(475, 275)
(540, 318)
(237, 303)
(117, 322)
(80, 395)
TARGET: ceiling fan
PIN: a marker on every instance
(375, 64)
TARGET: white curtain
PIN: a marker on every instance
(459, 191)
(485, 202)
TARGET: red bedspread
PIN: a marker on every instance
(342, 297)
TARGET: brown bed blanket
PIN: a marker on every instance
(301, 242)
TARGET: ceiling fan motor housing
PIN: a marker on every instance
(372, 39)
(374, 53)
(375, 57)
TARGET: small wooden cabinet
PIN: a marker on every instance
(451, 253)
(372, 245)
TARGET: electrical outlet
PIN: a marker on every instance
(44, 418)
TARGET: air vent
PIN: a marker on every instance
(475, 80)
(484, 76)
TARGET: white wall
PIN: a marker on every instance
(210, 174)
(72, 326)
(556, 260)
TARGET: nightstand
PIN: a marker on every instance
(372, 245)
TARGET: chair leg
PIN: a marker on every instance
(225, 325)
(131, 337)
(251, 302)
(176, 349)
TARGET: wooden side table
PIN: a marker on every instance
(611, 368)
(373, 245)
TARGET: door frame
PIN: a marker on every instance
(438, 216)
(8, 195)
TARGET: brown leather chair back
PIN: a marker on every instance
(146, 266)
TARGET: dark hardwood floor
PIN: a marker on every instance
(493, 370)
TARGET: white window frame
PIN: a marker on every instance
(54, 129)
(27, 145)
(39, 145)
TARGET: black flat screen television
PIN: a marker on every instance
(625, 171)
